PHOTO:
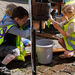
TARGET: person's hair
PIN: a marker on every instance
(9, 9)
(19, 12)
(69, 8)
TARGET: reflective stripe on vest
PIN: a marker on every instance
(3, 31)
(70, 2)
(70, 41)
(19, 43)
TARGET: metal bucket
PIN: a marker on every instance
(58, 18)
(44, 50)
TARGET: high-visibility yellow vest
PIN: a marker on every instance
(70, 41)
(19, 44)
(3, 31)
(69, 2)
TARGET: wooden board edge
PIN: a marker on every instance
(54, 50)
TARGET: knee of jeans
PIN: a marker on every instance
(17, 52)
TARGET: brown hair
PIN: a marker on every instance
(9, 9)
(69, 8)
(19, 12)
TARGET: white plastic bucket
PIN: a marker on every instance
(58, 18)
(44, 50)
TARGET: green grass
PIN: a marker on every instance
(16, 70)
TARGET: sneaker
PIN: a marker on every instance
(4, 71)
(62, 56)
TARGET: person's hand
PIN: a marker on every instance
(36, 25)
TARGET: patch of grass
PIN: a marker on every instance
(16, 70)
(26, 72)
(52, 65)
(72, 73)
(61, 70)
(69, 64)
(49, 69)
(38, 66)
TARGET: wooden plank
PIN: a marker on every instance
(59, 50)
(28, 54)
(54, 50)
(51, 36)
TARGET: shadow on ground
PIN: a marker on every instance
(18, 64)
(56, 60)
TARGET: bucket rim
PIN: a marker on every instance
(46, 45)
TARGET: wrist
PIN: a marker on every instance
(50, 19)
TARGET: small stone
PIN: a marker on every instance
(70, 69)
(30, 73)
(42, 68)
(48, 72)
(62, 73)
(58, 68)
(18, 73)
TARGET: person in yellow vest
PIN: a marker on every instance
(10, 47)
(65, 2)
(25, 42)
(8, 12)
(69, 2)
(67, 29)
